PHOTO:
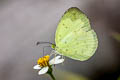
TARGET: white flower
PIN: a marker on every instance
(43, 63)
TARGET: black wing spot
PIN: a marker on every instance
(75, 51)
(66, 27)
(66, 49)
(65, 42)
(74, 13)
(59, 35)
(75, 31)
(77, 43)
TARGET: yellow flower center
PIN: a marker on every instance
(44, 61)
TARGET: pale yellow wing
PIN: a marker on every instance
(74, 37)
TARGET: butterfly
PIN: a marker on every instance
(74, 37)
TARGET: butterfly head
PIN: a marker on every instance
(53, 46)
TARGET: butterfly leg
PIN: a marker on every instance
(63, 58)
(52, 53)
(44, 49)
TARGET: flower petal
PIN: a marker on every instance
(43, 70)
(37, 67)
(59, 61)
(56, 60)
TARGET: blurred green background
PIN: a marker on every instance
(24, 22)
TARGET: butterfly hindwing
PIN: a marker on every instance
(74, 36)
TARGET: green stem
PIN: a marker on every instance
(50, 73)
(52, 76)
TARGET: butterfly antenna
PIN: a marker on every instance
(38, 43)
